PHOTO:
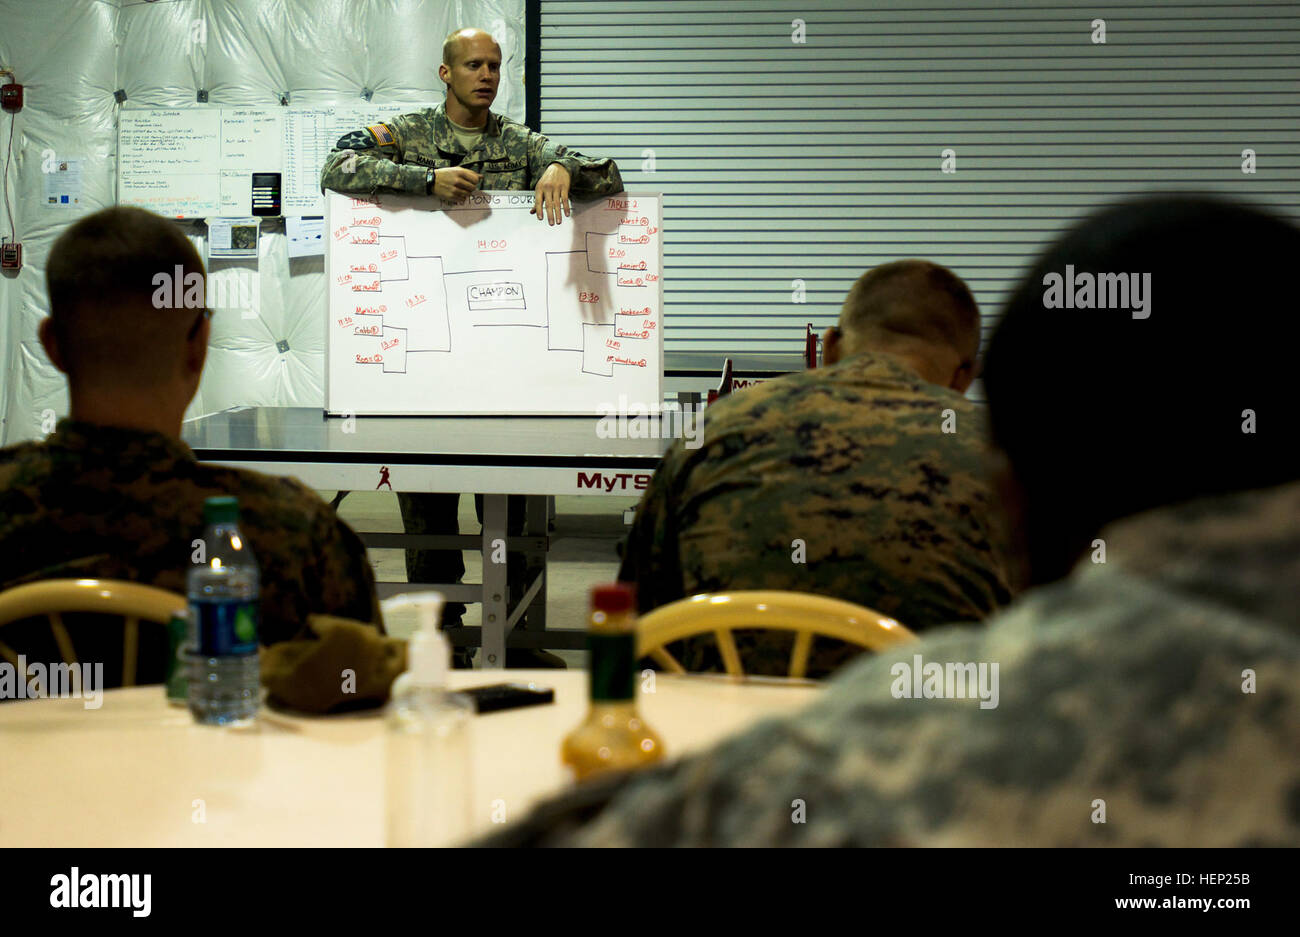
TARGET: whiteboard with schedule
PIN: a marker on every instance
(199, 161)
(479, 308)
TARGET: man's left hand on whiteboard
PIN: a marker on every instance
(553, 194)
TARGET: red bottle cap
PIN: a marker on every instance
(613, 598)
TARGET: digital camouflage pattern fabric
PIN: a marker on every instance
(1161, 687)
(395, 156)
(848, 464)
(105, 502)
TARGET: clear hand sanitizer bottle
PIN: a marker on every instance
(428, 756)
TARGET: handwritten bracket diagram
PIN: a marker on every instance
(428, 299)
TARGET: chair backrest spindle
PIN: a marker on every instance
(808, 616)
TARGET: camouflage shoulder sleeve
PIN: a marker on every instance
(650, 557)
(976, 462)
(369, 161)
(589, 178)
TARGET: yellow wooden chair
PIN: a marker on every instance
(52, 597)
(804, 614)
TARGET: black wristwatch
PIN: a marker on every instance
(428, 182)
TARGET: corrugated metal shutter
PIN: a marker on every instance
(782, 160)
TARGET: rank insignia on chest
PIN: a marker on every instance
(383, 136)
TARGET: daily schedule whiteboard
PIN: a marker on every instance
(479, 308)
(198, 162)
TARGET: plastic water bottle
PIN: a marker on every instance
(428, 750)
(225, 683)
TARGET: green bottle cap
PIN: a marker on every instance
(223, 509)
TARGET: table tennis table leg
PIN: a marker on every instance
(495, 583)
(537, 517)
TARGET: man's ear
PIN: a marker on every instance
(832, 346)
(444, 73)
(963, 377)
(50, 342)
(196, 348)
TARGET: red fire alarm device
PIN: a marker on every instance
(810, 347)
(11, 98)
(11, 256)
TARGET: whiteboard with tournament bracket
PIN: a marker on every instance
(441, 309)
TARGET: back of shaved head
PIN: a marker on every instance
(912, 302)
(452, 44)
(114, 322)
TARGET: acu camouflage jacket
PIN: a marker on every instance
(395, 156)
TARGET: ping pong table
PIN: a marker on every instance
(492, 456)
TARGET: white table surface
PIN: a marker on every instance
(137, 772)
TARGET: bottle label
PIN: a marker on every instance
(225, 628)
(613, 666)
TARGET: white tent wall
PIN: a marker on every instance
(63, 53)
(73, 55)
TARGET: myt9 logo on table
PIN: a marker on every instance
(640, 482)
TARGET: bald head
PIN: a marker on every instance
(454, 46)
(916, 310)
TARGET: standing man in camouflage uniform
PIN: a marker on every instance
(450, 151)
(864, 480)
(1148, 691)
(113, 492)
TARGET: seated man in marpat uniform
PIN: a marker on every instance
(450, 151)
(113, 492)
(865, 480)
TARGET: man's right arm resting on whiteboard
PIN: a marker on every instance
(358, 165)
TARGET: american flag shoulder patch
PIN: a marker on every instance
(383, 136)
